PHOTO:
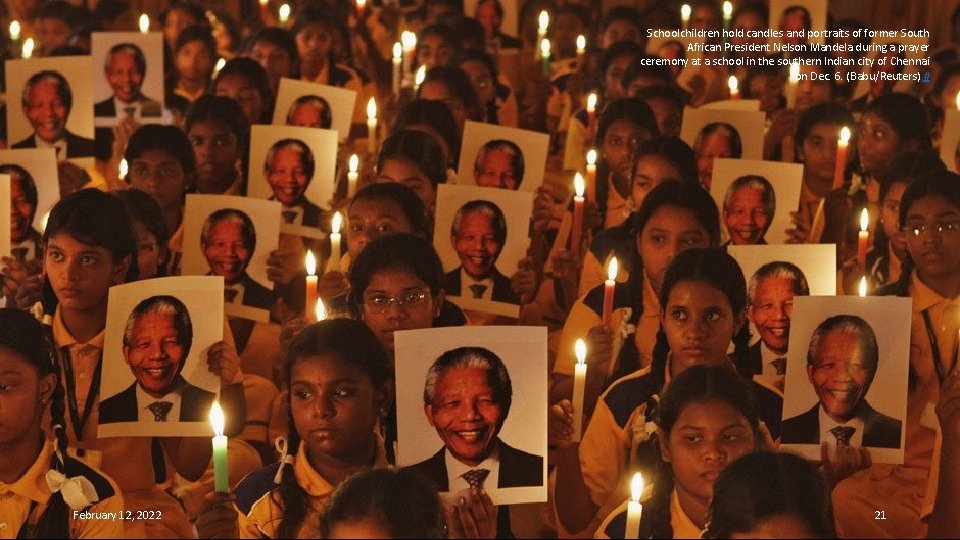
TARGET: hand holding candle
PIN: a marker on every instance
(311, 296)
(634, 508)
(608, 288)
(576, 229)
(842, 143)
(579, 383)
(862, 238)
(372, 127)
(220, 482)
(335, 225)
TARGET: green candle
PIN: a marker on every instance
(220, 483)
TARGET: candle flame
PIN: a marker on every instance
(264, 2)
(14, 30)
(354, 163)
(421, 75)
(336, 223)
(580, 349)
(685, 12)
(612, 269)
(27, 50)
(591, 157)
(578, 186)
(320, 311)
(311, 263)
(122, 169)
(795, 72)
(220, 63)
(864, 220)
(409, 40)
(397, 50)
(361, 3)
(216, 419)
(862, 287)
(372, 109)
(845, 135)
(732, 83)
(284, 12)
(144, 23)
(543, 21)
(636, 487)
(727, 9)
(581, 44)
(544, 47)
(592, 102)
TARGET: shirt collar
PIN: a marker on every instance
(316, 485)
(923, 297)
(33, 485)
(683, 526)
(63, 338)
(827, 423)
(456, 468)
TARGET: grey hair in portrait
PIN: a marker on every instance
(63, 87)
(758, 183)
(162, 305)
(487, 209)
(326, 115)
(723, 128)
(503, 145)
(847, 324)
(127, 48)
(307, 161)
(472, 357)
(231, 215)
(779, 270)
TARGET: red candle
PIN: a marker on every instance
(862, 238)
(842, 144)
(311, 296)
(592, 174)
(577, 229)
(608, 287)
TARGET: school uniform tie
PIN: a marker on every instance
(160, 410)
(843, 434)
(780, 364)
(476, 477)
(478, 290)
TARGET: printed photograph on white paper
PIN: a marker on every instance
(295, 167)
(500, 443)
(502, 157)
(5, 232)
(734, 105)
(50, 105)
(847, 375)
(34, 190)
(156, 382)
(307, 104)
(900, 57)
(128, 77)
(722, 134)
(775, 276)
(232, 237)
(678, 48)
(793, 16)
(755, 199)
(481, 235)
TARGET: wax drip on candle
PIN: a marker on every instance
(311, 263)
(144, 23)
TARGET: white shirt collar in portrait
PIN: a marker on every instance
(144, 400)
(827, 423)
(237, 297)
(60, 145)
(456, 469)
(466, 281)
(122, 106)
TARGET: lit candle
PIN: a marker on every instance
(545, 57)
(842, 143)
(335, 242)
(144, 23)
(727, 15)
(352, 175)
(634, 508)
(958, 93)
(220, 63)
(543, 21)
(608, 287)
(685, 15)
(284, 13)
(397, 62)
(372, 126)
(320, 312)
(14, 30)
(792, 84)
(311, 297)
(579, 382)
(220, 483)
(408, 40)
(418, 79)
(27, 50)
(576, 229)
(122, 169)
(361, 7)
(592, 174)
(581, 48)
(732, 85)
(591, 109)
(264, 14)
(862, 287)
(862, 238)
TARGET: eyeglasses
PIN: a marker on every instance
(939, 228)
(381, 303)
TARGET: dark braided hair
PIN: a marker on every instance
(33, 342)
(351, 342)
(696, 384)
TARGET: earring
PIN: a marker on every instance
(43, 401)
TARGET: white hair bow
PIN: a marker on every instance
(280, 443)
(78, 492)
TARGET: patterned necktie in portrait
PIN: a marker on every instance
(476, 477)
(129, 111)
(289, 216)
(843, 434)
(160, 410)
(779, 364)
(478, 290)
(229, 295)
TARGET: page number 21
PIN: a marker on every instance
(879, 514)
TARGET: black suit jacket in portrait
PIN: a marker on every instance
(879, 430)
(77, 146)
(255, 294)
(195, 403)
(149, 108)
(502, 292)
(517, 469)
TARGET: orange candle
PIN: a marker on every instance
(592, 174)
(335, 242)
(842, 143)
(608, 287)
(577, 228)
(591, 109)
(311, 296)
(862, 238)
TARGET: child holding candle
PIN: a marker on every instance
(703, 298)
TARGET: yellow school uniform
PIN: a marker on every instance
(614, 524)
(25, 500)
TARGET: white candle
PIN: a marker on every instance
(862, 287)
(579, 382)
(372, 127)
(14, 30)
(685, 15)
(311, 291)
(397, 62)
(634, 508)
(408, 41)
(418, 79)
(335, 242)
(284, 14)
(122, 169)
(144, 23)
(320, 312)
(352, 175)
(581, 48)
(792, 85)
(608, 288)
(958, 98)
(543, 21)
(576, 228)
(733, 86)
(27, 50)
